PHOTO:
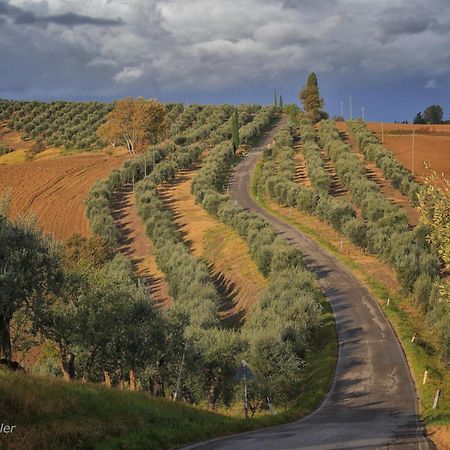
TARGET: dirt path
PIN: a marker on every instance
(234, 272)
(136, 246)
(375, 174)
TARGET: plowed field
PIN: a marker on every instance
(55, 189)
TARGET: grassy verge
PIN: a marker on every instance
(52, 414)
(405, 319)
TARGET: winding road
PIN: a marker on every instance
(372, 402)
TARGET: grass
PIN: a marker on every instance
(405, 318)
(52, 414)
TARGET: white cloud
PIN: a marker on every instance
(128, 74)
(431, 84)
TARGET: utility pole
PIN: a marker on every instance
(413, 149)
(342, 110)
(362, 113)
(351, 107)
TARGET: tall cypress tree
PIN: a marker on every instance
(310, 98)
(275, 99)
(281, 102)
(235, 130)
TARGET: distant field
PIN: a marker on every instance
(55, 189)
(432, 144)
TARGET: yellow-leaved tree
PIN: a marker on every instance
(434, 205)
(135, 123)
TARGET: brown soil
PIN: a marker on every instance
(375, 174)
(301, 174)
(440, 436)
(429, 147)
(234, 272)
(137, 246)
(55, 190)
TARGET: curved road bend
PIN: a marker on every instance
(372, 402)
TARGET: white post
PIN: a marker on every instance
(436, 398)
(388, 301)
(179, 374)
(414, 337)
(425, 376)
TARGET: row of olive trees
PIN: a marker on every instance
(280, 327)
(207, 375)
(98, 205)
(277, 180)
(414, 259)
(408, 252)
(216, 350)
(261, 121)
(400, 177)
(71, 124)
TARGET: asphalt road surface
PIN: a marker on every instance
(372, 402)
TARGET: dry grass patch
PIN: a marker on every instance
(235, 273)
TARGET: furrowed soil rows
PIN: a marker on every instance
(55, 190)
(301, 174)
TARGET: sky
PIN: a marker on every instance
(391, 56)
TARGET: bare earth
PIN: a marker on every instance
(432, 144)
(137, 246)
(55, 190)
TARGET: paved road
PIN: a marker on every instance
(372, 402)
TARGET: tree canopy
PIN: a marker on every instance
(135, 123)
(311, 100)
(433, 114)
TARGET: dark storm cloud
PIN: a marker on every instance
(22, 17)
(396, 22)
(174, 46)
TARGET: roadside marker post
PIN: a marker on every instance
(388, 301)
(436, 398)
(244, 373)
(414, 337)
(425, 376)
(270, 405)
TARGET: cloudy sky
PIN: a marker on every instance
(392, 56)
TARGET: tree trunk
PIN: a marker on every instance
(107, 378)
(88, 366)
(67, 363)
(5, 338)
(212, 395)
(133, 386)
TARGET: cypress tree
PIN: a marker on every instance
(281, 102)
(275, 98)
(310, 98)
(235, 130)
